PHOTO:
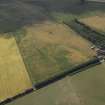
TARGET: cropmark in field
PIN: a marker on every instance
(49, 48)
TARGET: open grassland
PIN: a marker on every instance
(49, 48)
(14, 78)
(86, 88)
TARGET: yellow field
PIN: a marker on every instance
(13, 76)
(95, 22)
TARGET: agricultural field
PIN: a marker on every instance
(85, 88)
(49, 48)
(35, 44)
(14, 78)
(95, 22)
(91, 28)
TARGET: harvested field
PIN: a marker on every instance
(49, 48)
(13, 75)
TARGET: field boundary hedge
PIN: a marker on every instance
(86, 26)
(97, 38)
(70, 72)
(80, 68)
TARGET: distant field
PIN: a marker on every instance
(95, 22)
(86, 88)
(14, 14)
(50, 48)
(14, 78)
(96, 30)
(90, 85)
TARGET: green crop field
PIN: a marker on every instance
(86, 88)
